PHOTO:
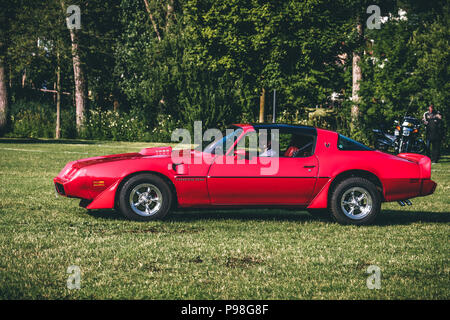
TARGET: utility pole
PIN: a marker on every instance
(274, 105)
(261, 105)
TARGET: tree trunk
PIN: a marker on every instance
(169, 14)
(3, 91)
(79, 77)
(262, 101)
(10, 76)
(356, 77)
(24, 78)
(58, 100)
(3, 95)
(80, 81)
(150, 15)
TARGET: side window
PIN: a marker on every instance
(258, 143)
(285, 141)
(287, 144)
(249, 143)
(290, 145)
(347, 144)
(297, 145)
(305, 145)
(268, 143)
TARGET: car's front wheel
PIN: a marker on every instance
(145, 197)
(355, 201)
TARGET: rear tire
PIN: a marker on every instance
(145, 197)
(355, 201)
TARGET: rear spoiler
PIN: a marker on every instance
(423, 161)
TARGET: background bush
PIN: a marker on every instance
(32, 120)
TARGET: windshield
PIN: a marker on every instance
(221, 144)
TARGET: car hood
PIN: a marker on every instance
(146, 152)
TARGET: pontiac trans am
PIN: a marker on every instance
(292, 166)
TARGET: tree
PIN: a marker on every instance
(6, 15)
(79, 75)
(291, 46)
(3, 90)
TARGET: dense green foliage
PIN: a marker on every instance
(407, 69)
(173, 62)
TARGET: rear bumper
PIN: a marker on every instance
(428, 187)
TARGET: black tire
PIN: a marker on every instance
(421, 147)
(364, 211)
(155, 194)
(323, 214)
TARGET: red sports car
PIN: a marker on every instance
(259, 165)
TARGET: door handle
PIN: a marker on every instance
(309, 166)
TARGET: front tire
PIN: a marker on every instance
(355, 201)
(145, 197)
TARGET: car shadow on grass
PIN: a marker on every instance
(242, 215)
(399, 217)
(386, 217)
(189, 215)
(106, 214)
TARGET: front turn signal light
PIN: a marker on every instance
(98, 183)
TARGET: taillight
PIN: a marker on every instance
(415, 131)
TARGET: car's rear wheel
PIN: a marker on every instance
(355, 201)
(145, 197)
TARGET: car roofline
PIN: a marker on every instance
(295, 127)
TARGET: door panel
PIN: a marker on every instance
(244, 183)
(191, 185)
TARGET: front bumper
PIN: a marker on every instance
(59, 187)
(71, 188)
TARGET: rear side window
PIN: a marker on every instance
(347, 144)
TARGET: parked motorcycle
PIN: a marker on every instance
(384, 141)
(406, 137)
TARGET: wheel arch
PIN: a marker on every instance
(356, 173)
(322, 199)
(156, 173)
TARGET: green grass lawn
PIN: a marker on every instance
(213, 254)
